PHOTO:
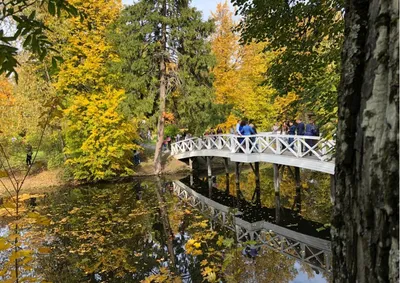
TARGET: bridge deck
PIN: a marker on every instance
(311, 153)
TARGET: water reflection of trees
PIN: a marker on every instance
(315, 191)
(105, 233)
(135, 232)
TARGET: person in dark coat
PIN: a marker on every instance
(300, 130)
(310, 131)
(300, 127)
(292, 131)
(29, 153)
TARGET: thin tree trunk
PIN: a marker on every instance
(365, 221)
(163, 89)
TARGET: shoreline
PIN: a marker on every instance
(48, 180)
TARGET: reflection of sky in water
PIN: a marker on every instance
(303, 277)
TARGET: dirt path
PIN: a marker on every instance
(37, 183)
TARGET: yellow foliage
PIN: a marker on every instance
(284, 106)
(87, 50)
(230, 122)
(99, 139)
(239, 74)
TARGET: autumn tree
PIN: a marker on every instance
(239, 73)
(226, 49)
(98, 137)
(306, 39)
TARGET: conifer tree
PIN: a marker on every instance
(164, 63)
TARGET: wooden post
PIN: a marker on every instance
(237, 174)
(297, 177)
(209, 176)
(276, 178)
(237, 178)
(277, 208)
(297, 199)
(191, 163)
(226, 164)
(257, 173)
(257, 191)
(209, 169)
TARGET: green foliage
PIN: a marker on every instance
(306, 38)
(171, 131)
(136, 39)
(28, 28)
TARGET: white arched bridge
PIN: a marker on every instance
(309, 152)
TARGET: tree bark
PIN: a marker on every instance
(163, 90)
(365, 230)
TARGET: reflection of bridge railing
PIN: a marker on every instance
(307, 249)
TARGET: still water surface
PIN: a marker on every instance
(183, 231)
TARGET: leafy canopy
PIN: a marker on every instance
(136, 38)
(306, 36)
(20, 24)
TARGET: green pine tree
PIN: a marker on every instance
(164, 64)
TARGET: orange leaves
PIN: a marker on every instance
(5, 91)
(169, 118)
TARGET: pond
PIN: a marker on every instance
(174, 231)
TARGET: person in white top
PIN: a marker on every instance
(275, 128)
(238, 128)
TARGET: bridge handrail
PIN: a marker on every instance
(296, 145)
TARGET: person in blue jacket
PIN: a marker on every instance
(310, 131)
(300, 127)
(244, 130)
(247, 130)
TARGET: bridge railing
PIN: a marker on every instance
(294, 145)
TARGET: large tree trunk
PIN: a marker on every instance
(366, 217)
(163, 90)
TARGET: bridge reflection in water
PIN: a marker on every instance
(276, 228)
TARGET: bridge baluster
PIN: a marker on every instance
(278, 145)
(298, 144)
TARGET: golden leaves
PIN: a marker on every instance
(4, 245)
(239, 75)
